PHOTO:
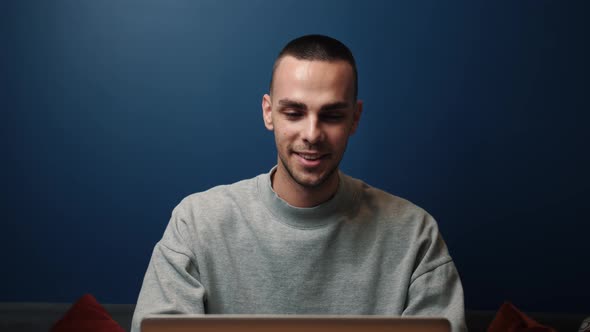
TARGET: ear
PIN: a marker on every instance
(356, 117)
(267, 112)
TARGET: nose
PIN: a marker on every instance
(312, 133)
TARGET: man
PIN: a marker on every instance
(303, 238)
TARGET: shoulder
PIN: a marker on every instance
(218, 200)
(208, 214)
(224, 192)
(383, 201)
(393, 215)
(415, 231)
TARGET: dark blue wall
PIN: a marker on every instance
(113, 111)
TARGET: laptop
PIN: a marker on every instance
(291, 323)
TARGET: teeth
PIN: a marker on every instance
(309, 157)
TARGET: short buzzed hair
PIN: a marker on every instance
(321, 48)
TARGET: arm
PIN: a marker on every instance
(171, 283)
(438, 293)
(435, 288)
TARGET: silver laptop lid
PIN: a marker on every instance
(291, 323)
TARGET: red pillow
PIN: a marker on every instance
(87, 315)
(510, 319)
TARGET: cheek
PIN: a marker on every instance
(282, 138)
(286, 133)
(339, 137)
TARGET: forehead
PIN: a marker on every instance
(313, 76)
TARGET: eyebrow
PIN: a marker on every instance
(335, 106)
(287, 103)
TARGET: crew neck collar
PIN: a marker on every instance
(313, 217)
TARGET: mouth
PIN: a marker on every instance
(309, 156)
(311, 159)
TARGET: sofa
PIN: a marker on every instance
(34, 317)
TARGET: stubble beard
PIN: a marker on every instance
(315, 184)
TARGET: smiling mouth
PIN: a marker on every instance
(311, 156)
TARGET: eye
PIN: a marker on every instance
(333, 117)
(293, 115)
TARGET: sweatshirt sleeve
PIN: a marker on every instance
(438, 293)
(435, 289)
(172, 283)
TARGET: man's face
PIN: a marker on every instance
(312, 111)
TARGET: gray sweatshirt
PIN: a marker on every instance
(240, 249)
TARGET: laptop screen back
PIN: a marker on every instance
(291, 323)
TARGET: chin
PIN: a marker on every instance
(308, 178)
(313, 181)
(310, 183)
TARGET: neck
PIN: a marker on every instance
(300, 196)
